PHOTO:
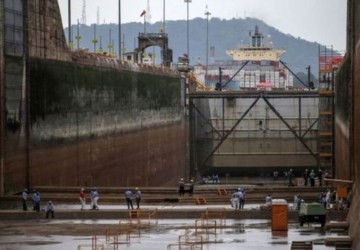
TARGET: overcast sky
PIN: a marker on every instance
(322, 21)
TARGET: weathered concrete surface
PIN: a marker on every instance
(2, 101)
(347, 141)
(83, 118)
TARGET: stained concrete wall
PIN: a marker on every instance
(347, 138)
(2, 104)
(86, 119)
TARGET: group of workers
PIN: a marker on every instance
(182, 189)
(238, 199)
(36, 203)
(94, 198)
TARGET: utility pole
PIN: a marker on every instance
(69, 20)
(98, 16)
(207, 13)
(94, 41)
(78, 37)
(83, 14)
(187, 28)
(120, 47)
(164, 16)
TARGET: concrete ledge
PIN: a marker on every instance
(175, 213)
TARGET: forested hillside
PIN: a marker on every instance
(223, 35)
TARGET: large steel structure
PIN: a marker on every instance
(253, 132)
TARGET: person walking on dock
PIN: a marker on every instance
(128, 197)
(50, 210)
(328, 199)
(236, 200)
(36, 201)
(306, 177)
(290, 177)
(297, 202)
(137, 197)
(268, 200)
(191, 187)
(242, 198)
(181, 187)
(82, 199)
(312, 178)
(94, 196)
(320, 177)
(24, 196)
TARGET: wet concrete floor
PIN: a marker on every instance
(159, 234)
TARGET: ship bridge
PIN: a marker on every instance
(256, 51)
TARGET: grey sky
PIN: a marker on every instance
(323, 21)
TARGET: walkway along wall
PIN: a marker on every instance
(347, 131)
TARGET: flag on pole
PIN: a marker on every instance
(143, 13)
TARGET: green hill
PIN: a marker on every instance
(223, 35)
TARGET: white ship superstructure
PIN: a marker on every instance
(262, 71)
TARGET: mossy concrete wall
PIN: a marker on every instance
(86, 119)
(98, 126)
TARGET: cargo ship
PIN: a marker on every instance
(75, 118)
(253, 66)
(254, 123)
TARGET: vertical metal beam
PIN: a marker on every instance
(333, 132)
(223, 116)
(300, 117)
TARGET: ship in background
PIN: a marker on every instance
(253, 66)
(248, 119)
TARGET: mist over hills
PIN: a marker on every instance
(223, 35)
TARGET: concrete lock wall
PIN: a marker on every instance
(347, 128)
(76, 118)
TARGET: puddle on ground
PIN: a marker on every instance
(237, 234)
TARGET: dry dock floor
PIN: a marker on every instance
(174, 226)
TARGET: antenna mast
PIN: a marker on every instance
(98, 16)
(83, 15)
(148, 14)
